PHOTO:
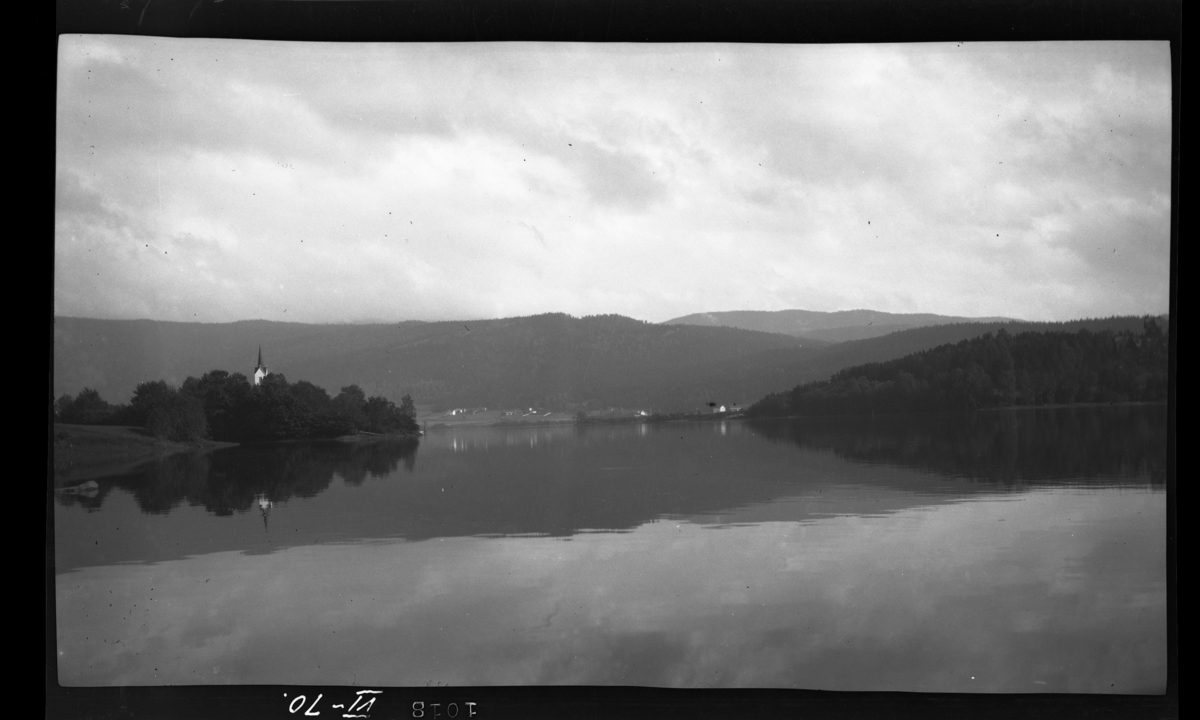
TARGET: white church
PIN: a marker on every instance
(260, 370)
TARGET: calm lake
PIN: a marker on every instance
(1016, 551)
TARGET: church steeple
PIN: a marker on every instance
(260, 370)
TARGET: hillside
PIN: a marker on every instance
(552, 361)
(773, 370)
(547, 360)
(828, 326)
(996, 370)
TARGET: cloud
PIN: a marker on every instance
(401, 181)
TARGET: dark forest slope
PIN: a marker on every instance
(995, 370)
(784, 367)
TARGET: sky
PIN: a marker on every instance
(221, 180)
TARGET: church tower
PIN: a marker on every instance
(260, 370)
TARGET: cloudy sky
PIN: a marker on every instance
(226, 180)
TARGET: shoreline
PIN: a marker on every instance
(643, 420)
(364, 436)
(80, 452)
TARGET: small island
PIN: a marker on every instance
(218, 409)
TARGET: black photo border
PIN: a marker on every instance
(658, 21)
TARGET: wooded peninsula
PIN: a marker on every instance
(227, 407)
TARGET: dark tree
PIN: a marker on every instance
(177, 416)
(351, 400)
(88, 408)
(221, 394)
(145, 397)
(407, 408)
(62, 407)
(316, 399)
(382, 416)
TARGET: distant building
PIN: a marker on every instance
(260, 370)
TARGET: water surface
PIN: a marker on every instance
(1014, 551)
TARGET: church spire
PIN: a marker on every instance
(260, 370)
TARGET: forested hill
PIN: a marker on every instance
(995, 370)
(837, 326)
(550, 360)
(757, 375)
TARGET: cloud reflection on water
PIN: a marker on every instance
(988, 595)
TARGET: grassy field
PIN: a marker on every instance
(83, 451)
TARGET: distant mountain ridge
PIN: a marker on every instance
(838, 326)
(550, 361)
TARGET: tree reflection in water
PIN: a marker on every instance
(232, 481)
(501, 482)
(1011, 447)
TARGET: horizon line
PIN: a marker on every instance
(376, 321)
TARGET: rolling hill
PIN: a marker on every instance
(829, 326)
(552, 361)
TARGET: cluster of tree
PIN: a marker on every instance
(225, 406)
(1000, 370)
(88, 408)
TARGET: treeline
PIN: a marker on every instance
(1000, 370)
(224, 406)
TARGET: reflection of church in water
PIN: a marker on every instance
(264, 506)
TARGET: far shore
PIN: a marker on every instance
(362, 436)
(87, 451)
(566, 420)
